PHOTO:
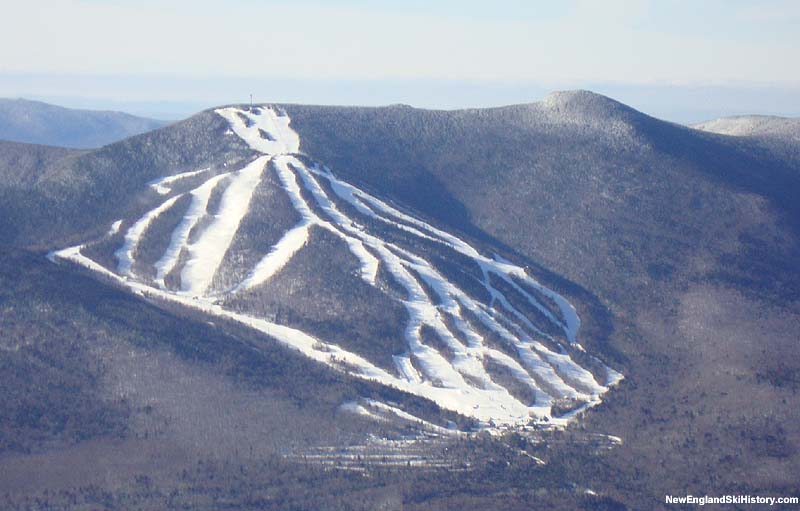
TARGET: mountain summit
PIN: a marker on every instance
(585, 103)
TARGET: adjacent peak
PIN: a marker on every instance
(753, 125)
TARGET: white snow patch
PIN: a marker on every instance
(264, 128)
(161, 185)
(411, 418)
(114, 229)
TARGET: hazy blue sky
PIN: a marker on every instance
(447, 53)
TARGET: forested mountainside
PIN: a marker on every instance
(622, 244)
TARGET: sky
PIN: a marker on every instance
(676, 58)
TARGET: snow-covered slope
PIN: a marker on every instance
(478, 334)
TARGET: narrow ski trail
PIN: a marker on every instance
(483, 337)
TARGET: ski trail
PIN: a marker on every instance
(205, 254)
(197, 209)
(500, 267)
(484, 405)
(125, 254)
(454, 298)
(406, 369)
(420, 309)
(281, 253)
(161, 185)
(284, 166)
(424, 313)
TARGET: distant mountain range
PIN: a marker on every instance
(567, 302)
(34, 122)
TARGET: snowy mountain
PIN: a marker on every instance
(476, 334)
(34, 122)
(556, 302)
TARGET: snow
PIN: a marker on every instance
(380, 411)
(125, 253)
(263, 120)
(206, 254)
(345, 228)
(434, 371)
(430, 450)
(180, 235)
(114, 229)
(613, 377)
(281, 253)
(498, 266)
(283, 166)
(356, 408)
(160, 185)
(412, 418)
(463, 400)
(406, 369)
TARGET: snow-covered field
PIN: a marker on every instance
(514, 338)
